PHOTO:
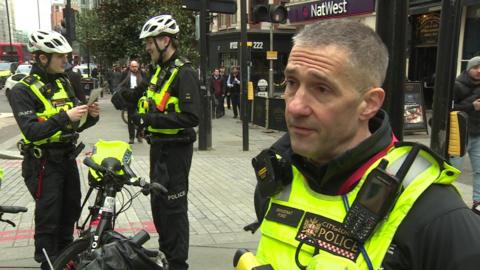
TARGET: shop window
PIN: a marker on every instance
(471, 42)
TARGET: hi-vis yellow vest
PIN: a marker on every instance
(320, 217)
(157, 96)
(59, 101)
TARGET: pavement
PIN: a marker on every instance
(220, 196)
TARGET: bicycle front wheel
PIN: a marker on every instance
(69, 258)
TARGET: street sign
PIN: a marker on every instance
(272, 55)
(250, 90)
(214, 6)
(262, 85)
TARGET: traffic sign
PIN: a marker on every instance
(272, 55)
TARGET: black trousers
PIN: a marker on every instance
(219, 106)
(229, 100)
(54, 183)
(235, 104)
(131, 125)
(170, 166)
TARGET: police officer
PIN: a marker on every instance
(48, 114)
(348, 195)
(169, 109)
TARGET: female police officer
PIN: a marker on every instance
(48, 113)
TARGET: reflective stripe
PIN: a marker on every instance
(419, 166)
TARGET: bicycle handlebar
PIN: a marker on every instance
(156, 188)
(12, 209)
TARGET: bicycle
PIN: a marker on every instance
(109, 173)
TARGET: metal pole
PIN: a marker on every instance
(243, 72)
(205, 127)
(8, 22)
(445, 73)
(270, 71)
(38, 12)
(391, 27)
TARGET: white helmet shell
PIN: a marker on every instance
(48, 42)
(163, 24)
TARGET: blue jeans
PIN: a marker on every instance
(473, 150)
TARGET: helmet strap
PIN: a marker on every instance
(41, 65)
(160, 51)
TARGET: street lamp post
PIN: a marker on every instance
(8, 23)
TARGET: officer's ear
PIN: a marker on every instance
(43, 59)
(372, 101)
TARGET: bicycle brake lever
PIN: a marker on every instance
(8, 221)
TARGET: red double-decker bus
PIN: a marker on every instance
(14, 52)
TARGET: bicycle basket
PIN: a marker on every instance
(119, 150)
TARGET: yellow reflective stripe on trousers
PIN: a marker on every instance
(277, 245)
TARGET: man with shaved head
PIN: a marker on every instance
(131, 79)
(343, 192)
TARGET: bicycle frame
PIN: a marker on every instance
(102, 213)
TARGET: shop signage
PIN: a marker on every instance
(256, 45)
(414, 108)
(328, 9)
(428, 28)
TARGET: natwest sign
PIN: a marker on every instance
(328, 9)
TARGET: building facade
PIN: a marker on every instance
(7, 31)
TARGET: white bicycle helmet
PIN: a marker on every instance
(163, 24)
(48, 42)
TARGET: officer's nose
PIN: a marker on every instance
(299, 103)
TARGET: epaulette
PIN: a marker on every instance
(179, 62)
(29, 79)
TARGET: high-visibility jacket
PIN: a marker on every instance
(298, 213)
(59, 100)
(157, 98)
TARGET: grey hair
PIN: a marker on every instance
(367, 55)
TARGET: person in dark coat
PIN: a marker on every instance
(467, 98)
(132, 77)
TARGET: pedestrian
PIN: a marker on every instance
(132, 77)
(171, 101)
(349, 195)
(233, 88)
(48, 115)
(466, 93)
(75, 80)
(226, 91)
(216, 88)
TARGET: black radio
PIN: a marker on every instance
(376, 198)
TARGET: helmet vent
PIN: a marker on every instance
(49, 44)
(152, 28)
(34, 39)
(57, 42)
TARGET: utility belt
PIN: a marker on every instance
(183, 137)
(53, 151)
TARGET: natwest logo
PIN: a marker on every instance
(328, 8)
(324, 9)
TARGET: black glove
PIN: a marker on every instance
(140, 119)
